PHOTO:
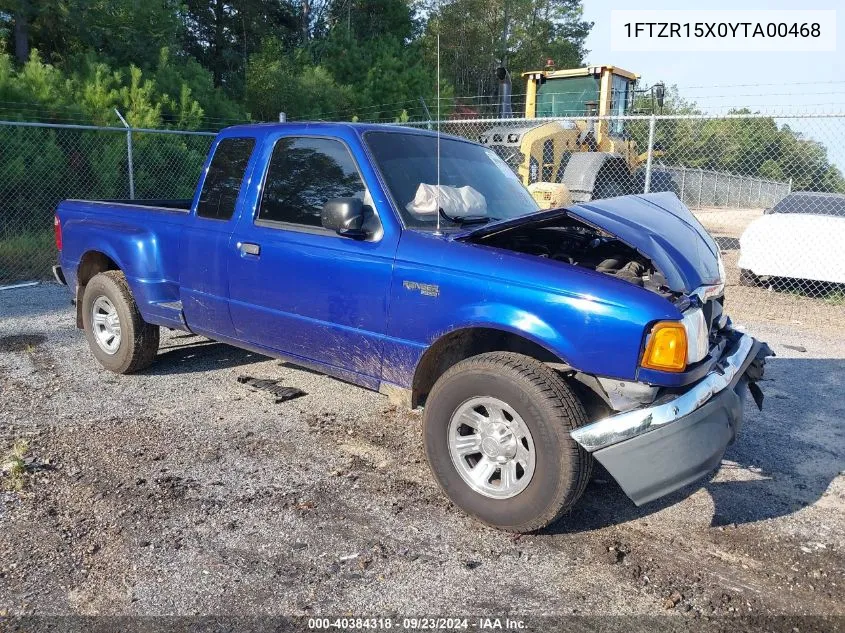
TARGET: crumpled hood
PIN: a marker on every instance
(658, 225)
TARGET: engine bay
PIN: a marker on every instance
(573, 242)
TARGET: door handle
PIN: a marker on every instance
(247, 248)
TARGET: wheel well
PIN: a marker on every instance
(91, 264)
(456, 346)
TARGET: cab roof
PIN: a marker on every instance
(328, 128)
(583, 72)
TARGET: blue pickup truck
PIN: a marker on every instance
(536, 341)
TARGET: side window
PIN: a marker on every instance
(223, 180)
(303, 174)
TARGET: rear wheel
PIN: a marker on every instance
(496, 430)
(118, 336)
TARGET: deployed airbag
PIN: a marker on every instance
(455, 201)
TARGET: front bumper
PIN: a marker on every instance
(657, 449)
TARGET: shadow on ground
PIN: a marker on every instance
(199, 356)
(793, 449)
(785, 456)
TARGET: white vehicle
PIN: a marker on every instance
(801, 237)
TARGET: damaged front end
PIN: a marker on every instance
(657, 449)
(650, 240)
(569, 240)
(667, 427)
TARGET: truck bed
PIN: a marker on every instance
(170, 204)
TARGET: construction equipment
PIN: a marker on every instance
(592, 158)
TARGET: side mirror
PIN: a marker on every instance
(344, 216)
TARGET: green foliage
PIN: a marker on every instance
(277, 82)
(208, 62)
(39, 167)
(204, 64)
(366, 63)
(13, 467)
(757, 146)
(478, 35)
(26, 256)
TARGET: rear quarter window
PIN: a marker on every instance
(223, 181)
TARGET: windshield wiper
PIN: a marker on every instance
(466, 220)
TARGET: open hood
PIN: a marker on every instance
(657, 225)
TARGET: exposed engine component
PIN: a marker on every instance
(570, 241)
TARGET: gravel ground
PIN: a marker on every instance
(182, 491)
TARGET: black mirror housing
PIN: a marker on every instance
(345, 216)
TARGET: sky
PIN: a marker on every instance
(776, 83)
(791, 81)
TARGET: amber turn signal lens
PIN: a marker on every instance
(666, 349)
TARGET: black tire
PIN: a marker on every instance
(548, 407)
(610, 183)
(138, 339)
(747, 278)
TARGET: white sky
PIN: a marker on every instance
(770, 81)
(775, 83)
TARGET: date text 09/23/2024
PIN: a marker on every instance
(478, 623)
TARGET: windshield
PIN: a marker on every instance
(568, 96)
(475, 183)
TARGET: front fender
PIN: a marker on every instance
(591, 322)
(514, 320)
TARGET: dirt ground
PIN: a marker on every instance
(182, 491)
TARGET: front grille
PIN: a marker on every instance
(713, 310)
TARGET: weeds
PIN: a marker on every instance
(27, 257)
(835, 298)
(13, 467)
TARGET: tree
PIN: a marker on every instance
(279, 82)
(367, 62)
(222, 36)
(745, 145)
(119, 31)
(476, 36)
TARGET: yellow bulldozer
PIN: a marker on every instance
(573, 159)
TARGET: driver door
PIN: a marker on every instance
(302, 290)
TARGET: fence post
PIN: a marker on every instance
(716, 189)
(700, 184)
(427, 113)
(647, 187)
(683, 179)
(128, 154)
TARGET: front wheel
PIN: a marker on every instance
(496, 431)
(118, 336)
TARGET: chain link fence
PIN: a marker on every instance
(770, 189)
(43, 164)
(707, 188)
